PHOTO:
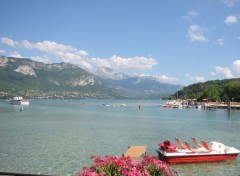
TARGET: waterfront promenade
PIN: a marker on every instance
(222, 105)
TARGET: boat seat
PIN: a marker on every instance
(178, 143)
(195, 141)
(189, 148)
(205, 145)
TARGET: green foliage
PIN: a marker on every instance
(218, 90)
(232, 89)
(115, 166)
(166, 97)
(192, 96)
(153, 170)
(212, 93)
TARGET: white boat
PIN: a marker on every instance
(178, 106)
(104, 104)
(19, 101)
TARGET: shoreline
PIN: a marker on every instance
(230, 105)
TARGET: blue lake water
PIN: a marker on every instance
(58, 136)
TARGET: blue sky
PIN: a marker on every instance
(179, 42)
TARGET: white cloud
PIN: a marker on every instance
(195, 78)
(67, 53)
(8, 41)
(43, 59)
(165, 78)
(189, 76)
(54, 48)
(120, 63)
(133, 63)
(161, 78)
(76, 59)
(236, 67)
(230, 3)
(15, 54)
(82, 52)
(220, 41)
(196, 33)
(236, 64)
(200, 79)
(2, 51)
(102, 62)
(64, 53)
(26, 44)
(225, 71)
(232, 72)
(231, 19)
(213, 73)
(49, 47)
(191, 14)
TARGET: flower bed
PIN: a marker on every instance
(118, 166)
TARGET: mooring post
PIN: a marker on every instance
(229, 105)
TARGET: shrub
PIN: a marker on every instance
(120, 166)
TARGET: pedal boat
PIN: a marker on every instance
(183, 153)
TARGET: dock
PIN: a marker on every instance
(136, 153)
(228, 105)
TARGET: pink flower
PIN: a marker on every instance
(126, 166)
(124, 172)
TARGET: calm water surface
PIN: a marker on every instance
(58, 136)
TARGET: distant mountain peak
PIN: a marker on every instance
(108, 73)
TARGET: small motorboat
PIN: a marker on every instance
(204, 152)
(167, 106)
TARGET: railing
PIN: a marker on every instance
(20, 174)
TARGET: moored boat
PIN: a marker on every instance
(204, 152)
(19, 101)
(167, 106)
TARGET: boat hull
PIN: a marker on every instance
(196, 157)
(25, 102)
(19, 102)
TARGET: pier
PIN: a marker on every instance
(136, 153)
(215, 105)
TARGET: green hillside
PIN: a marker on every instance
(217, 90)
(32, 79)
(25, 77)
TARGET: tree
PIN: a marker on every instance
(192, 96)
(232, 90)
(212, 93)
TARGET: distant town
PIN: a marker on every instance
(34, 94)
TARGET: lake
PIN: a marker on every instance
(58, 136)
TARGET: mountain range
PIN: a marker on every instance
(32, 79)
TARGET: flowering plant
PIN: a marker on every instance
(120, 166)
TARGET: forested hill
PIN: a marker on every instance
(32, 79)
(28, 78)
(217, 90)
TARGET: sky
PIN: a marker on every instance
(179, 42)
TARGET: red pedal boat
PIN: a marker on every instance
(204, 152)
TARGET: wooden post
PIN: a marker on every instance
(229, 106)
